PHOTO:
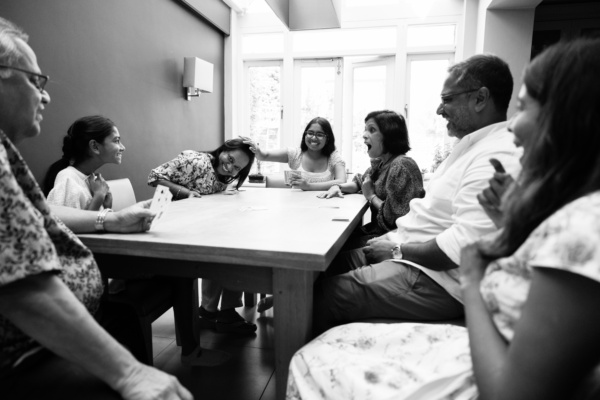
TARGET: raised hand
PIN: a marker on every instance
(491, 197)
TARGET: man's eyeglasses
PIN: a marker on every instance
(447, 98)
(38, 80)
(320, 135)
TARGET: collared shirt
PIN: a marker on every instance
(450, 212)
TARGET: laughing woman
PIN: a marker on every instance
(194, 174)
(72, 181)
(317, 159)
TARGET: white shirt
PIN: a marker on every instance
(70, 189)
(450, 212)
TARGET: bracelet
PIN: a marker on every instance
(371, 198)
(99, 224)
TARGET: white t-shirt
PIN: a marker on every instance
(450, 212)
(70, 189)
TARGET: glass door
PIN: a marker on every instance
(428, 134)
(263, 106)
(370, 86)
(318, 93)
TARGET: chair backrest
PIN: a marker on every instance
(122, 193)
(275, 181)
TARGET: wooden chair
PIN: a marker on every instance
(147, 299)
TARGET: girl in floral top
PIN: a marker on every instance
(320, 164)
(532, 293)
(193, 174)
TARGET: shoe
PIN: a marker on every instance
(265, 304)
(229, 321)
(208, 319)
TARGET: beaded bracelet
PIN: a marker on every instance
(99, 224)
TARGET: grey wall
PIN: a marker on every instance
(122, 59)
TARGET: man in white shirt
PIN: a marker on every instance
(412, 273)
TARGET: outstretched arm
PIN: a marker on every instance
(136, 218)
(278, 155)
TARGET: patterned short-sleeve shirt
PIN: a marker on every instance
(32, 241)
(567, 240)
(191, 169)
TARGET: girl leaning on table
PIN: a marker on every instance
(194, 174)
(320, 164)
(531, 293)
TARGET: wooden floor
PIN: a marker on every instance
(248, 375)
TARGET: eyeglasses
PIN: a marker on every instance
(447, 98)
(320, 135)
(38, 80)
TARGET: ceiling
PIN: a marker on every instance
(570, 2)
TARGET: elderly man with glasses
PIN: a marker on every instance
(51, 346)
(412, 273)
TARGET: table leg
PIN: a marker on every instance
(292, 292)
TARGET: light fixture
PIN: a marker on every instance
(197, 77)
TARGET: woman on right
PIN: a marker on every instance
(393, 180)
(532, 293)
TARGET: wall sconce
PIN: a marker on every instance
(197, 77)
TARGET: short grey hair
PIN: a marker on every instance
(9, 52)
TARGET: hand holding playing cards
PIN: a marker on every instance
(136, 218)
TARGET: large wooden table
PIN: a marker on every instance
(261, 240)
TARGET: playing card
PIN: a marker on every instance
(160, 203)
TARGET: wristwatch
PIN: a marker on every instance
(397, 252)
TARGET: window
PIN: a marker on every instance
(427, 130)
(264, 106)
(370, 91)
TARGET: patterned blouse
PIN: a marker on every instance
(398, 182)
(428, 361)
(32, 241)
(191, 169)
(295, 163)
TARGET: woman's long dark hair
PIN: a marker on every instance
(562, 162)
(330, 140)
(229, 145)
(76, 144)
